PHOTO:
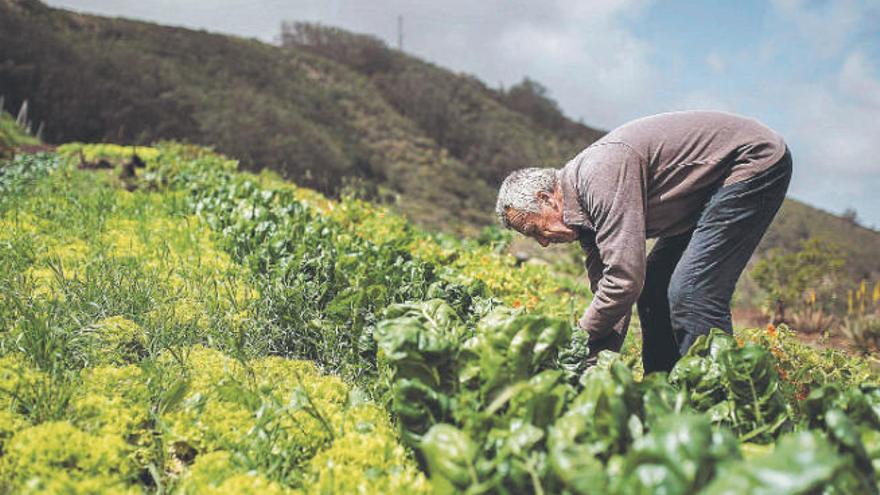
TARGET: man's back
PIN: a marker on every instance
(686, 156)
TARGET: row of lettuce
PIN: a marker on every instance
(205, 268)
(130, 359)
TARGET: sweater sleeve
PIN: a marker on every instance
(612, 183)
(595, 268)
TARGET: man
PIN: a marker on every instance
(707, 184)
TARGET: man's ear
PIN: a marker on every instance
(544, 197)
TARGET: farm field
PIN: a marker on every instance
(189, 328)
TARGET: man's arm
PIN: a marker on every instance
(614, 195)
(595, 269)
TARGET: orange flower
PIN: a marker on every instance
(771, 330)
(516, 303)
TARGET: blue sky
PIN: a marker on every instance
(809, 69)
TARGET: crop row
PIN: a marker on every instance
(205, 268)
(496, 401)
(127, 363)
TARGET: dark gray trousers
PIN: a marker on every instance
(690, 278)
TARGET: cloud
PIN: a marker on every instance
(832, 127)
(597, 68)
(830, 25)
(838, 120)
(857, 80)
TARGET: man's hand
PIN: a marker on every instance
(592, 335)
(611, 342)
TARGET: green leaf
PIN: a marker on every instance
(679, 456)
(801, 463)
(418, 407)
(450, 455)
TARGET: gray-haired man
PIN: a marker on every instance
(707, 184)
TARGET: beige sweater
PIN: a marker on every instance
(651, 178)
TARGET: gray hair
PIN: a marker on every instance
(519, 191)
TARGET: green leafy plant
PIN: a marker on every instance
(217, 332)
(786, 276)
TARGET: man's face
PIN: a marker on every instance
(546, 226)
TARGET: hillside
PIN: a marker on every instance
(797, 221)
(333, 110)
(496, 131)
(303, 115)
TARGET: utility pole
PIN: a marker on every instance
(400, 32)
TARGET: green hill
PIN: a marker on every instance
(333, 110)
(496, 131)
(299, 113)
(798, 221)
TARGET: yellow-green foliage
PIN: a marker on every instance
(213, 473)
(55, 256)
(18, 383)
(113, 401)
(143, 227)
(57, 457)
(20, 223)
(122, 421)
(9, 424)
(366, 458)
(525, 286)
(345, 448)
(107, 151)
(121, 340)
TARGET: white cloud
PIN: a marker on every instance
(832, 127)
(597, 68)
(857, 80)
(837, 121)
(827, 25)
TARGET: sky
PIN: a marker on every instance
(810, 69)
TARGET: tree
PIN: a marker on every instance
(786, 276)
(531, 98)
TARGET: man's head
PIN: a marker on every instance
(530, 202)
